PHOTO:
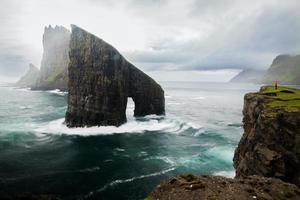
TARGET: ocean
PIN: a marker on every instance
(40, 155)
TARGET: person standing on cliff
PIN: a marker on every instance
(276, 85)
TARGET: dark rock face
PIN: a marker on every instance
(189, 187)
(30, 78)
(270, 143)
(54, 65)
(101, 80)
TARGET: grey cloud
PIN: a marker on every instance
(232, 33)
(13, 61)
(251, 43)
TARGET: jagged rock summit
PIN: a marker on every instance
(53, 73)
(55, 60)
(100, 82)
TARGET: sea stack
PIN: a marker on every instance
(54, 65)
(100, 82)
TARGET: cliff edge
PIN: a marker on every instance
(271, 140)
(267, 159)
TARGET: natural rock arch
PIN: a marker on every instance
(101, 80)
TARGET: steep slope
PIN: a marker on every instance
(285, 69)
(101, 80)
(248, 76)
(54, 65)
(30, 78)
(270, 144)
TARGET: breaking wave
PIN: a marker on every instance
(120, 181)
(58, 92)
(149, 123)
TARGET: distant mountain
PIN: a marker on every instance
(30, 78)
(285, 69)
(248, 76)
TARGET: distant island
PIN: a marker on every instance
(285, 69)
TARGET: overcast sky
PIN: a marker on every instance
(158, 35)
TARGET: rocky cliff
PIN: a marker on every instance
(30, 78)
(268, 151)
(54, 65)
(285, 69)
(271, 140)
(101, 80)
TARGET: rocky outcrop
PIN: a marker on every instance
(54, 65)
(271, 140)
(189, 187)
(285, 69)
(30, 78)
(101, 80)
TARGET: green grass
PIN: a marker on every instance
(286, 97)
(149, 198)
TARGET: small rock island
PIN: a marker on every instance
(267, 159)
(100, 80)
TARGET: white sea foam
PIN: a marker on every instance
(119, 149)
(133, 126)
(174, 103)
(222, 153)
(22, 89)
(58, 92)
(25, 107)
(163, 158)
(120, 181)
(228, 174)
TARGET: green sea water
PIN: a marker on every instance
(40, 155)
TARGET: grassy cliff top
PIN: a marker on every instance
(286, 97)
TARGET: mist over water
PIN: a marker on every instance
(39, 154)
